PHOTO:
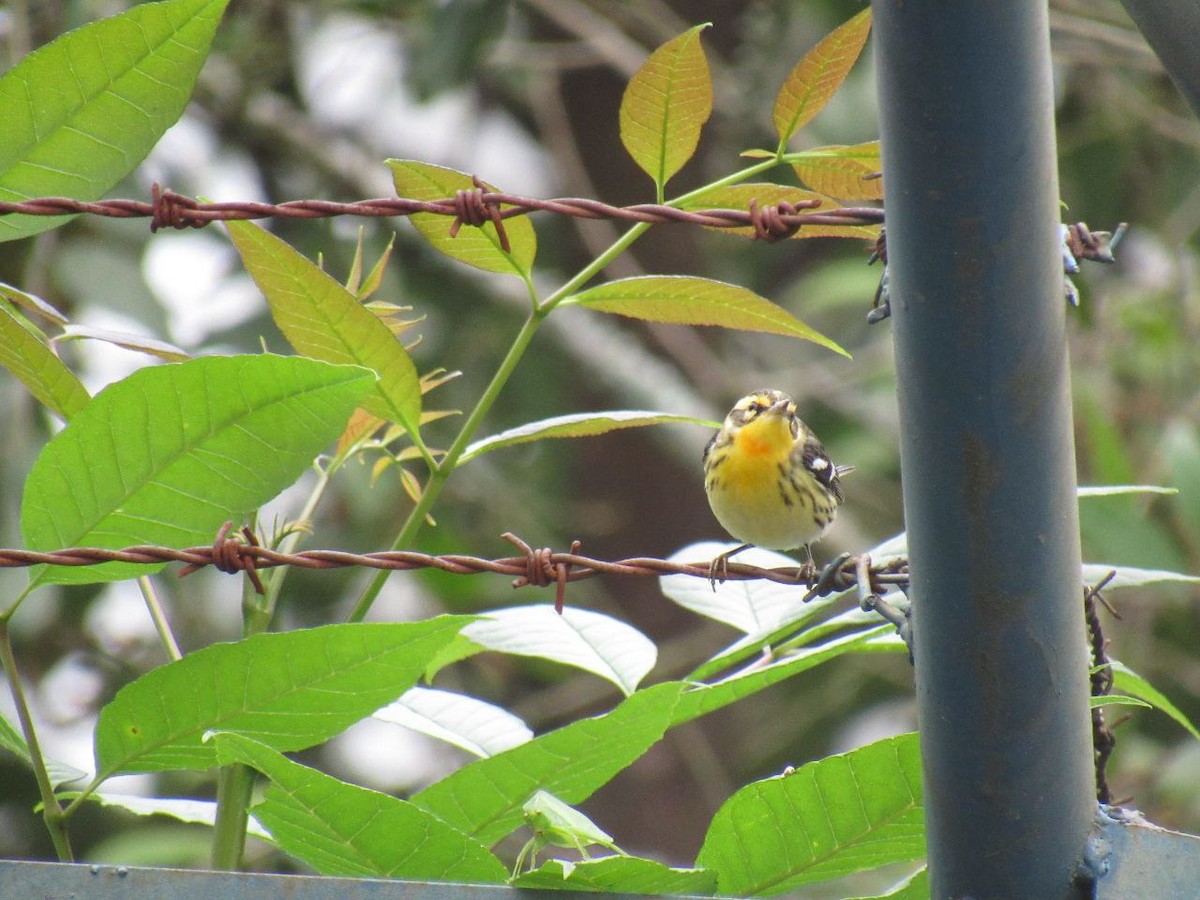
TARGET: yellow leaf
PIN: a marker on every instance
(687, 300)
(809, 86)
(848, 173)
(665, 105)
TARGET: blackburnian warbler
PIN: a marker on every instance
(769, 481)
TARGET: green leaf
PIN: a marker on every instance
(740, 196)
(702, 700)
(813, 82)
(484, 798)
(342, 829)
(620, 875)
(136, 342)
(290, 690)
(477, 727)
(1110, 490)
(1131, 576)
(12, 741)
(479, 247)
(1129, 681)
(846, 172)
(833, 817)
(576, 425)
(687, 300)
(587, 640)
(81, 112)
(169, 453)
(322, 319)
(665, 105)
(32, 303)
(194, 812)
(24, 353)
(1116, 700)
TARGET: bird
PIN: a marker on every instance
(769, 481)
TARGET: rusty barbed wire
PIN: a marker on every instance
(539, 567)
(1101, 678)
(477, 206)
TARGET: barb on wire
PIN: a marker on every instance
(168, 209)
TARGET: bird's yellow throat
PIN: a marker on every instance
(767, 436)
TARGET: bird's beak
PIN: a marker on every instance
(780, 408)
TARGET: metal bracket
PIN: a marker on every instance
(1128, 858)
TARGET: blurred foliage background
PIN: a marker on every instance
(304, 98)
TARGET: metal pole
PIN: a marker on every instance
(1170, 28)
(987, 456)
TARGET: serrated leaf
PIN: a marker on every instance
(484, 799)
(688, 300)
(289, 690)
(81, 112)
(25, 354)
(665, 105)
(477, 727)
(136, 342)
(833, 817)
(619, 875)
(168, 454)
(1129, 681)
(342, 829)
(476, 246)
(194, 812)
(322, 319)
(739, 196)
(576, 425)
(845, 172)
(587, 640)
(811, 84)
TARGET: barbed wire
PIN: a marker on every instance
(477, 206)
(534, 566)
(1101, 679)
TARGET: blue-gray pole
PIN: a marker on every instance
(986, 451)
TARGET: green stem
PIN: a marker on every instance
(440, 474)
(621, 244)
(161, 625)
(52, 812)
(263, 609)
(235, 783)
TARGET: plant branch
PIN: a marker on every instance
(52, 811)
